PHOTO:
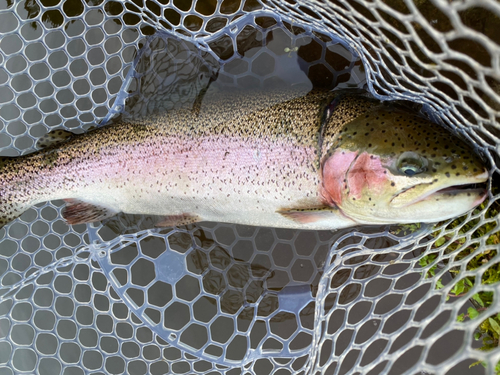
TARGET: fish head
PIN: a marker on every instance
(389, 166)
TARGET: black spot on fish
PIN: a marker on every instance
(447, 174)
(393, 184)
(453, 166)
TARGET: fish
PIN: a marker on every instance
(319, 161)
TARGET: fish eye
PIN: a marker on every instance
(410, 164)
(410, 170)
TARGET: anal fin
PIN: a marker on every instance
(178, 220)
(309, 215)
(80, 212)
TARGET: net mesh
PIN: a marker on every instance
(119, 297)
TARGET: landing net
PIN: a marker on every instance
(122, 298)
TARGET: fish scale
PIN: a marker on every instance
(310, 162)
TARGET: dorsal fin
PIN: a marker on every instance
(5, 160)
(53, 138)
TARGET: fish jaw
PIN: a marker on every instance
(443, 205)
(436, 203)
(429, 191)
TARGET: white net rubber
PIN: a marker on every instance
(121, 298)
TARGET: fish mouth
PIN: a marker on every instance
(475, 189)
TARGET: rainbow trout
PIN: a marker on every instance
(315, 162)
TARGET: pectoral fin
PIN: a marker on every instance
(79, 212)
(178, 220)
(309, 215)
